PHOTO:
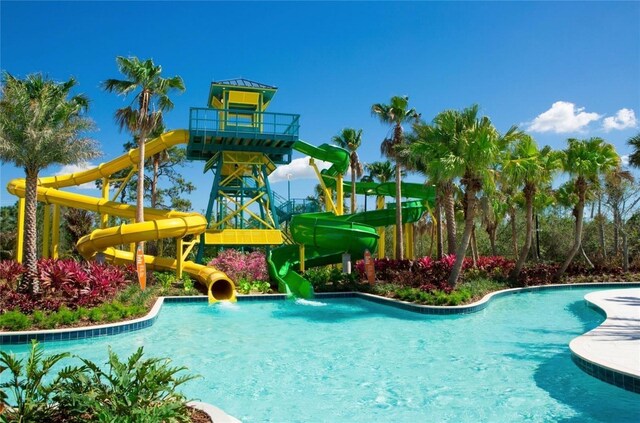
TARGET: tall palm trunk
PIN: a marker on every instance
(470, 202)
(438, 212)
(154, 245)
(399, 230)
(514, 231)
(600, 219)
(492, 231)
(529, 193)
(449, 210)
(581, 188)
(474, 246)
(30, 282)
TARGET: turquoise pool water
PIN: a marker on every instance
(350, 360)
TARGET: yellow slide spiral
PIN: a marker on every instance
(159, 223)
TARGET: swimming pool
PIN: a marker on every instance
(351, 360)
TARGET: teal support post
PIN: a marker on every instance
(212, 198)
(272, 204)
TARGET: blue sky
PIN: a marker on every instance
(557, 69)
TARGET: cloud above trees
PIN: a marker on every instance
(565, 117)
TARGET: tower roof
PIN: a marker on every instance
(242, 82)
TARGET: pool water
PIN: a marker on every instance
(351, 360)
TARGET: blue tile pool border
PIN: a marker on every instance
(72, 334)
(605, 374)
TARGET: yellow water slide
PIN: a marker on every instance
(159, 223)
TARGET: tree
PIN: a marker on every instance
(445, 128)
(350, 139)
(152, 99)
(528, 167)
(471, 156)
(617, 185)
(8, 227)
(40, 126)
(381, 171)
(585, 161)
(396, 113)
(634, 157)
(77, 223)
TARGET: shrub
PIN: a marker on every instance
(33, 397)
(14, 320)
(238, 265)
(64, 283)
(133, 390)
(10, 272)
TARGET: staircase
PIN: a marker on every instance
(287, 208)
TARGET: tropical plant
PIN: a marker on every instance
(470, 156)
(585, 161)
(351, 139)
(77, 223)
(152, 100)
(28, 387)
(634, 157)
(445, 128)
(528, 167)
(381, 171)
(134, 390)
(397, 113)
(40, 126)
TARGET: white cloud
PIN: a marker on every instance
(625, 160)
(75, 168)
(624, 118)
(563, 117)
(298, 169)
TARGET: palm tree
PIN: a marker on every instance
(350, 139)
(528, 167)
(445, 128)
(470, 156)
(152, 100)
(381, 171)
(396, 113)
(585, 161)
(634, 157)
(40, 126)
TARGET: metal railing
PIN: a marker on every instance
(241, 122)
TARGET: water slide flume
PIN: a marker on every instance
(326, 236)
(159, 223)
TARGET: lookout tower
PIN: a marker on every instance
(241, 144)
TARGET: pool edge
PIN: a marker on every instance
(74, 334)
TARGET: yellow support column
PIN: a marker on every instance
(179, 257)
(46, 231)
(55, 232)
(408, 240)
(395, 241)
(340, 196)
(104, 218)
(381, 230)
(20, 234)
(301, 258)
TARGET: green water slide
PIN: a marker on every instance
(327, 236)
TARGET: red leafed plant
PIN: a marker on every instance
(63, 282)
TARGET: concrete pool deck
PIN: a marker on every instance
(611, 352)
